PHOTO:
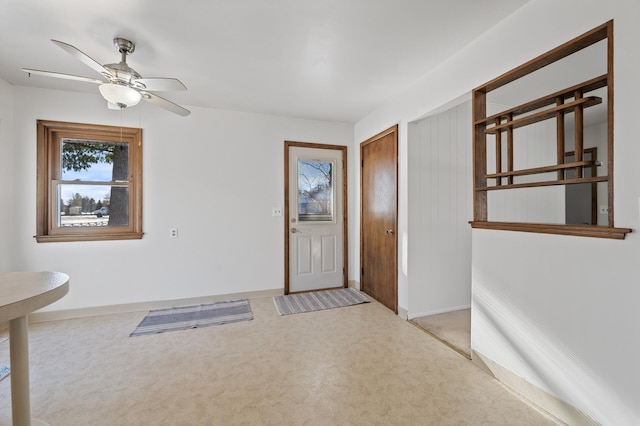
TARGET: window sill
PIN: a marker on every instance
(86, 237)
(575, 230)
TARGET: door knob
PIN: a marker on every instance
(294, 230)
(389, 231)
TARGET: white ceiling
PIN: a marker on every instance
(332, 60)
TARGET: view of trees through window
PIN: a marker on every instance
(89, 182)
(315, 190)
(93, 187)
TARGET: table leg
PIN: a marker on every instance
(19, 349)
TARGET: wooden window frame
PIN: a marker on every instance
(49, 135)
(505, 122)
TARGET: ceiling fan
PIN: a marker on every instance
(125, 87)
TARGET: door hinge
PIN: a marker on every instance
(362, 271)
(362, 163)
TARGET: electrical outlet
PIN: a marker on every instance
(604, 209)
(173, 233)
(276, 211)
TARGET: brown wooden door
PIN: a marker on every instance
(378, 221)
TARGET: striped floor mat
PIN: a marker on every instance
(183, 318)
(318, 300)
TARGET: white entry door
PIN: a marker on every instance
(315, 217)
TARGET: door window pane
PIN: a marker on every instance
(315, 191)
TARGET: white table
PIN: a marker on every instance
(20, 294)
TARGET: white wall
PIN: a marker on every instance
(6, 175)
(558, 311)
(215, 175)
(595, 136)
(439, 209)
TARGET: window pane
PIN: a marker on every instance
(94, 161)
(315, 191)
(92, 205)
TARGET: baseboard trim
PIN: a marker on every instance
(539, 398)
(63, 314)
(403, 313)
(438, 311)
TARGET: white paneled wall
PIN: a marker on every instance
(533, 146)
(440, 207)
(595, 136)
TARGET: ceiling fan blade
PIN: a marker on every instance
(61, 75)
(84, 58)
(158, 84)
(164, 103)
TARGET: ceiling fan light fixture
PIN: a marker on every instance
(120, 95)
(125, 87)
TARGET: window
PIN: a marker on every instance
(315, 191)
(89, 183)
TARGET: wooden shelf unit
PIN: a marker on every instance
(587, 86)
(542, 115)
(545, 169)
(555, 106)
(571, 100)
